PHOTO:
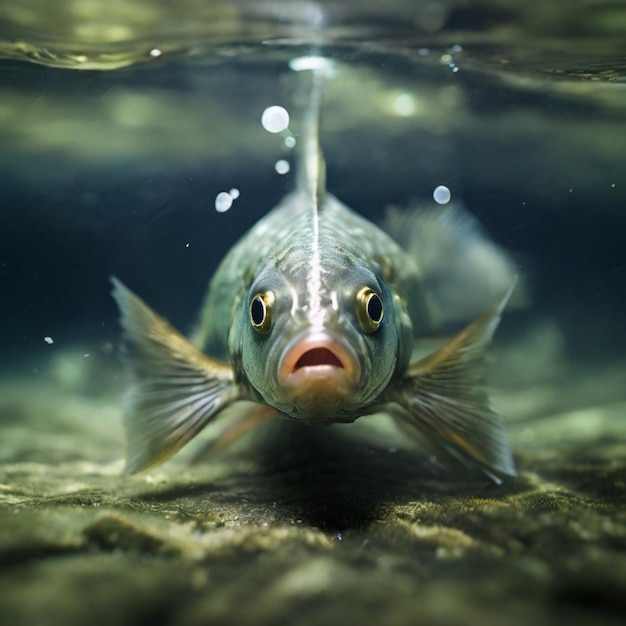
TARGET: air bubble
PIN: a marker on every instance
(282, 166)
(275, 119)
(223, 202)
(441, 195)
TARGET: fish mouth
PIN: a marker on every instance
(318, 357)
(318, 372)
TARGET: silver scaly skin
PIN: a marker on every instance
(277, 256)
(312, 315)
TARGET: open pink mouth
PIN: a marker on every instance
(318, 357)
(319, 363)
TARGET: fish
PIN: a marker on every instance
(311, 316)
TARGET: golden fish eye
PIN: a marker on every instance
(369, 309)
(261, 312)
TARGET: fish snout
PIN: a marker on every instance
(319, 371)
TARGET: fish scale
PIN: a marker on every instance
(283, 237)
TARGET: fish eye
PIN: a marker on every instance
(369, 309)
(261, 312)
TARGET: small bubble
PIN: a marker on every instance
(423, 52)
(457, 48)
(282, 166)
(234, 193)
(290, 141)
(338, 536)
(48, 340)
(612, 185)
(275, 119)
(223, 202)
(155, 53)
(441, 195)
(445, 59)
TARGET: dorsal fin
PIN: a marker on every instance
(311, 167)
(312, 180)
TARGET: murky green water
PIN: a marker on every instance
(120, 123)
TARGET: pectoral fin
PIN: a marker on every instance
(444, 397)
(176, 390)
(242, 417)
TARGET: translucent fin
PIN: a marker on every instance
(444, 396)
(463, 269)
(312, 167)
(176, 390)
(242, 417)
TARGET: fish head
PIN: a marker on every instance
(320, 355)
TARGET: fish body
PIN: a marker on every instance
(313, 272)
(312, 316)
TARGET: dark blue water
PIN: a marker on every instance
(117, 173)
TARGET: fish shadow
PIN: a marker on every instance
(323, 478)
(319, 477)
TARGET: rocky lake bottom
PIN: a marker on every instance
(309, 526)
